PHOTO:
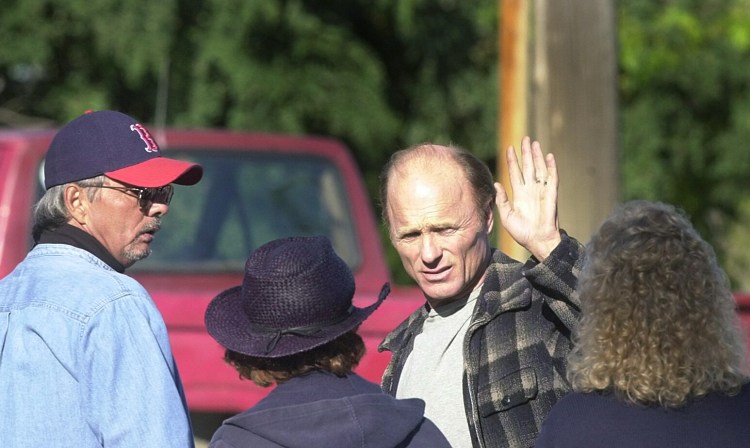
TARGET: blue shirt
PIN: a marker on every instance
(85, 360)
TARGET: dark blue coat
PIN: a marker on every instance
(323, 410)
(596, 420)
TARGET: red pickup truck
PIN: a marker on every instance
(256, 187)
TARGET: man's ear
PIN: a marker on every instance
(76, 202)
(489, 217)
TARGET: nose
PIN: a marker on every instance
(430, 249)
(157, 209)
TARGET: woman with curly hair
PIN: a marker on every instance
(292, 324)
(659, 357)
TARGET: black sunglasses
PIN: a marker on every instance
(146, 196)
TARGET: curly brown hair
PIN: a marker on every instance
(339, 357)
(659, 324)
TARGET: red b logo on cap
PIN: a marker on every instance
(151, 145)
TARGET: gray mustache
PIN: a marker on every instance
(152, 226)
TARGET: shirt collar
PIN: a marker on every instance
(73, 236)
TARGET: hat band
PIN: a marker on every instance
(304, 330)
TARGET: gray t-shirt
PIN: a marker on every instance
(434, 369)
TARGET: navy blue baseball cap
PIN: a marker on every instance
(116, 145)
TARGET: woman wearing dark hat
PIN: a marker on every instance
(292, 323)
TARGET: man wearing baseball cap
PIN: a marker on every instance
(292, 323)
(85, 360)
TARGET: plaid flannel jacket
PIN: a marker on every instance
(515, 347)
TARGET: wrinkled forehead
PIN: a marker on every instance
(431, 190)
(423, 174)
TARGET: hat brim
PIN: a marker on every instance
(227, 322)
(157, 172)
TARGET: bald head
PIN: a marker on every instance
(449, 161)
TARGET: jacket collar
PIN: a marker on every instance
(504, 289)
(73, 236)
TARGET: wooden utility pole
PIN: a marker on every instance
(513, 25)
(571, 106)
(575, 106)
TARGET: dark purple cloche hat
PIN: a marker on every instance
(112, 143)
(296, 295)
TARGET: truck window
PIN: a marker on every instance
(244, 200)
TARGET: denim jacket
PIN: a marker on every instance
(84, 358)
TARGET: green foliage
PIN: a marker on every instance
(377, 75)
(63, 57)
(685, 105)
(279, 67)
(387, 74)
(737, 256)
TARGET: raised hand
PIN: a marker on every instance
(530, 217)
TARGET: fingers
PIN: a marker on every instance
(539, 162)
(530, 216)
(514, 172)
(535, 166)
(528, 161)
(501, 199)
(551, 166)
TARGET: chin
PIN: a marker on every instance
(132, 256)
(440, 294)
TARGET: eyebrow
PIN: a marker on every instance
(421, 229)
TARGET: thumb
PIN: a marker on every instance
(502, 201)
